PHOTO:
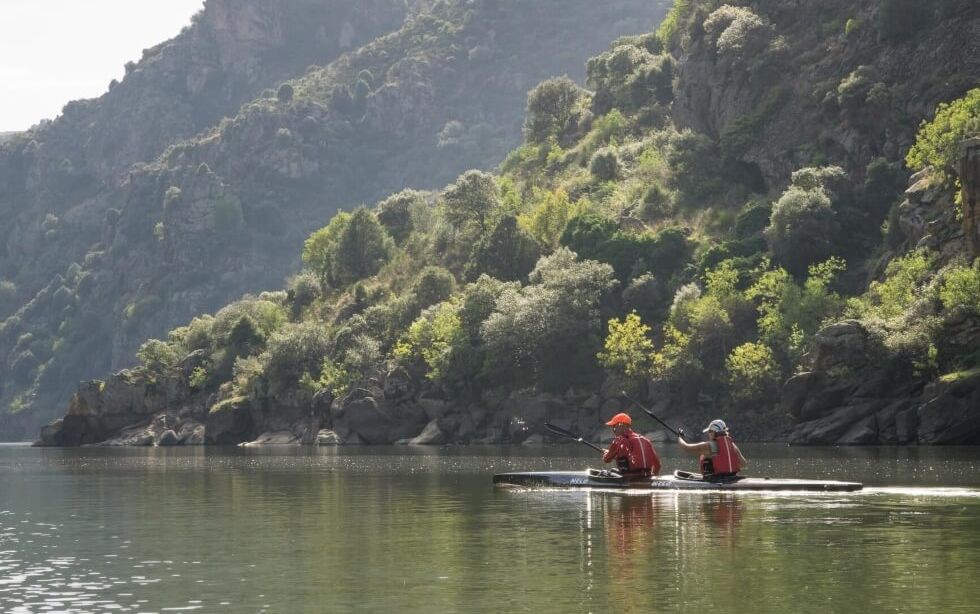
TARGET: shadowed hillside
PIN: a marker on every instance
(144, 247)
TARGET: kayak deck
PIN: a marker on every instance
(679, 481)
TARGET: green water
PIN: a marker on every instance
(423, 530)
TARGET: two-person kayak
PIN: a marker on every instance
(680, 480)
(638, 465)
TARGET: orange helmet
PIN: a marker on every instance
(620, 419)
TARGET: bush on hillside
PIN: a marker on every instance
(302, 290)
(551, 110)
(508, 253)
(352, 247)
(737, 32)
(605, 164)
(648, 297)
(547, 332)
(803, 229)
(937, 142)
(471, 204)
(434, 285)
(961, 287)
(627, 349)
(295, 350)
(396, 213)
(695, 164)
(753, 375)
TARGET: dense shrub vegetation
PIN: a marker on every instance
(610, 246)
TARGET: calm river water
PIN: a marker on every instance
(423, 530)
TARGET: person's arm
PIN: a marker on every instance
(613, 451)
(655, 468)
(741, 459)
(695, 448)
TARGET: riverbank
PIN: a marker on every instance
(134, 408)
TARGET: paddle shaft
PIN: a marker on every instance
(650, 413)
(570, 435)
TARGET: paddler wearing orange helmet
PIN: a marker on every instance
(633, 453)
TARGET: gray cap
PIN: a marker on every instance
(717, 426)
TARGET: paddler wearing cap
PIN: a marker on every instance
(720, 457)
(633, 453)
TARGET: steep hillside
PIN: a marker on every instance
(222, 213)
(57, 179)
(690, 228)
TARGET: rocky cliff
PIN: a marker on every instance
(782, 84)
(856, 389)
(131, 251)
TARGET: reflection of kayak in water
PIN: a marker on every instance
(681, 480)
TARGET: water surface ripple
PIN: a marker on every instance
(422, 530)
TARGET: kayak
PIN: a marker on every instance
(680, 480)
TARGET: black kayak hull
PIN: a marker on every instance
(586, 479)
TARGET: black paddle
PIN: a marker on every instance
(557, 430)
(651, 414)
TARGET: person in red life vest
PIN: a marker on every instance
(720, 457)
(633, 453)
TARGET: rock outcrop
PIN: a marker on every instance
(130, 409)
(732, 82)
(850, 398)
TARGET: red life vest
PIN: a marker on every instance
(634, 454)
(725, 461)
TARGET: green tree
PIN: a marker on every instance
(788, 314)
(434, 285)
(550, 214)
(648, 297)
(961, 287)
(433, 337)
(350, 248)
(508, 253)
(551, 107)
(604, 164)
(320, 249)
(937, 142)
(547, 332)
(293, 351)
(471, 202)
(803, 228)
(362, 249)
(627, 350)
(753, 374)
(285, 93)
(396, 213)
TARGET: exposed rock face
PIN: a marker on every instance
(872, 403)
(130, 410)
(720, 87)
(928, 218)
(853, 394)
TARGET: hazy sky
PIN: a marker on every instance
(53, 51)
